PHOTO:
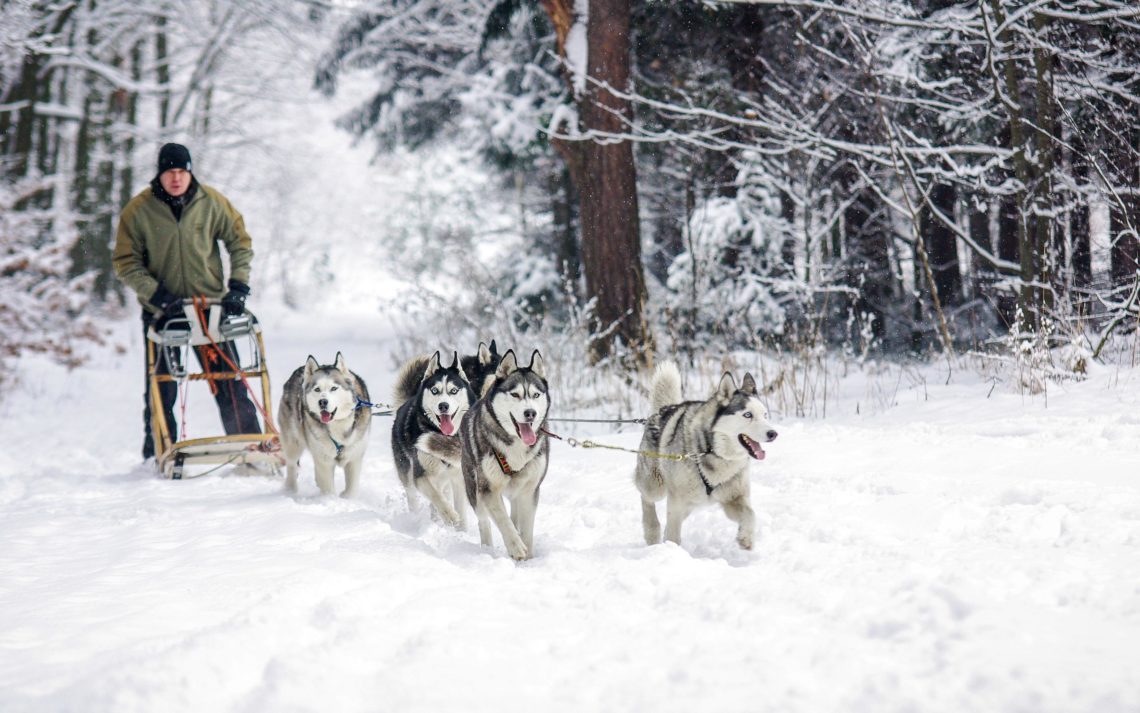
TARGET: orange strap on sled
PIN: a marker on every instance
(200, 305)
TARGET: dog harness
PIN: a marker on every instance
(708, 486)
(339, 446)
(503, 464)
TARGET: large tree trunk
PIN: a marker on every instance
(162, 71)
(1125, 215)
(562, 201)
(1081, 256)
(1044, 258)
(603, 172)
(982, 272)
(1008, 248)
(942, 244)
(1028, 295)
(868, 255)
(23, 95)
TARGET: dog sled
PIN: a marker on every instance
(205, 326)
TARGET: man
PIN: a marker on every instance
(167, 249)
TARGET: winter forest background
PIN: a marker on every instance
(914, 222)
(872, 178)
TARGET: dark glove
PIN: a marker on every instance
(165, 300)
(234, 301)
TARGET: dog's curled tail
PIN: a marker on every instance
(665, 389)
(409, 378)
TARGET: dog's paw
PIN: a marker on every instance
(517, 549)
(452, 519)
(744, 540)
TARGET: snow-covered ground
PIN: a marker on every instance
(961, 551)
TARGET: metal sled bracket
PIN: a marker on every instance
(236, 326)
(187, 330)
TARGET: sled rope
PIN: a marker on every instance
(182, 401)
(200, 305)
(575, 443)
(385, 409)
(600, 420)
(228, 461)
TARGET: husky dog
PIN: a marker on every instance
(431, 399)
(723, 433)
(480, 367)
(320, 412)
(505, 452)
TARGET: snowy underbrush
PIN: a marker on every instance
(798, 380)
(1029, 362)
(801, 382)
(581, 389)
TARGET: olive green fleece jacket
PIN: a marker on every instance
(152, 247)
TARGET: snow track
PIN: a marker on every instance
(954, 553)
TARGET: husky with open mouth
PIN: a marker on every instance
(321, 412)
(505, 452)
(719, 438)
(432, 400)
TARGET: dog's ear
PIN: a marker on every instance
(432, 367)
(725, 390)
(507, 366)
(493, 349)
(340, 365)
(457, 364)
(485, 353)
(748, 386)
(536, 364)
(311, 366)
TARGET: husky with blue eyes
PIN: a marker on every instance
(505, 451)
(321, 412)
(431, 400)
(715, 442)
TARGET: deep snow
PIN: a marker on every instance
(959, 551)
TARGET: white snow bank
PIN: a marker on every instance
(954, 553)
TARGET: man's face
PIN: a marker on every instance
(175, 181)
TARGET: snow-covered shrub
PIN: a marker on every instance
(605, 389)
(721, 287)
(1031, 359)
(41, 306)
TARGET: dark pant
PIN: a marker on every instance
(237, 411)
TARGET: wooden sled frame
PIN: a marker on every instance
(179, 336)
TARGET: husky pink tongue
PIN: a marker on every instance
(526, 433)
(753, 447)
(326, 416)
(446, 427)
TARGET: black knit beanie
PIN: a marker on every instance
(173, 156)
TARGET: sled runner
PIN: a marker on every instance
(205, 327)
